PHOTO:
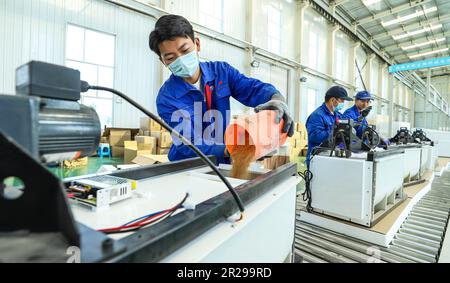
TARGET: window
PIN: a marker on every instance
(384, 86)
(274, 29)
(211, 14)
(92, 53)
(311, 101)
(313, 50)
(340, 64)
(374, 78)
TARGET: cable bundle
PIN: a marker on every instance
(146, 220)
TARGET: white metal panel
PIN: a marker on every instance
(268, 219)
(388, 181)
(336, 190)
(412, 162)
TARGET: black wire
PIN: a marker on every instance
(85, 87)
(307, 176)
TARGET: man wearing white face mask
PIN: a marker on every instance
(321, 122)
(206, 84)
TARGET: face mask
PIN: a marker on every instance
(339, 107)
(185, 66)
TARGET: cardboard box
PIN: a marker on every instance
(117, 151)
(157, 135)
(166, 140)
(301, 144)
(162, 150)
(147, 124)
(147, 143)
(304, 151)
(144, 123)
(117, 137)
(145, 140)
(132, 150)
(154, 126)
(275, 161)
(147, 133)
(150, 159)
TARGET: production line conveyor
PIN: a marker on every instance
(419, 239)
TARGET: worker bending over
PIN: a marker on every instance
(320, 123)
(197, 87)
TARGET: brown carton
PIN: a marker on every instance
(117, 151)
(149, 159)
(162, 150)
(133, 149)
(117, 137)
(157, 135)
(166, 140)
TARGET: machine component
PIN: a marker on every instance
(420, 238)
(362, 190)
(344, 140)
(41, 216)
(420, 136)
(99, 192)
(403, 136)
(47, 119)
(370, 137)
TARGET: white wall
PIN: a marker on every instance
(35, 30)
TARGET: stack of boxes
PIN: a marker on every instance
(163, 139)
(116, 138)
(298, 143)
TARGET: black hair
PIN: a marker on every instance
(169, 27)
(328, 97)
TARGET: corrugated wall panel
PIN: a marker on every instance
(36, 30)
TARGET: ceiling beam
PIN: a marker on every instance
(339, 2)
(389, 12)
(418, 40)
(403, 55)
(412, 27)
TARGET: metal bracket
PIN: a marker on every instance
(42, 208)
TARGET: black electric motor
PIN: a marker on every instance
(45, 118)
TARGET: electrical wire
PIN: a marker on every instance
(306, 196)
(140, 222)
(85, 87)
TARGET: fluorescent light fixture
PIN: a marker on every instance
(416, 14)
(427, 53)
(423, 43)
(416, 32)
(370, 2)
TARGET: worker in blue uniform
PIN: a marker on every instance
(195, 100)
(359, 111)
(321, 122)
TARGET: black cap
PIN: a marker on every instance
(338, 92)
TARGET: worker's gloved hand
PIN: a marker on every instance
(364, 113)
(385, 141)
(282, 113)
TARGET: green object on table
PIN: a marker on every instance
(94, 163)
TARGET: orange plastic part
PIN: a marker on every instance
(258, 129)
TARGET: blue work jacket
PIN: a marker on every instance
(353, 113)
(222, 81)
(320, 125)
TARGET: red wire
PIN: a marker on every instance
(139, 224)
(143, 222)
